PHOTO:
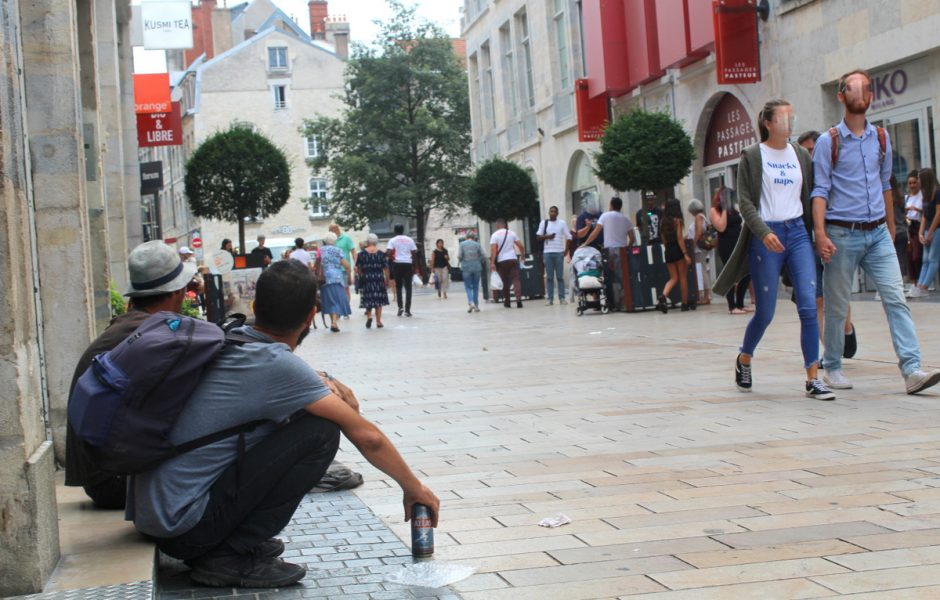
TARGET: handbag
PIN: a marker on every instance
(318, 271)
(709, 238)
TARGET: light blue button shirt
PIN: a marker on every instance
(854, 190)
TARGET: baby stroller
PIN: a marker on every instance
(587, 270)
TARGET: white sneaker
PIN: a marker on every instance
(836, 379)
(917, 292)
(919, 381)
(562, 301)
(877, 297)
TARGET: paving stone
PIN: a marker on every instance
(767, 571)
(887, 579)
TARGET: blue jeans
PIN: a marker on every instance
(471, 284)
(874, 253)
(554, 270)
(765, 273)
(928, 272)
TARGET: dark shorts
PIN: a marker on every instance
(673, 253)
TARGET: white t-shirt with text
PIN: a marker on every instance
(561, 231)
(403, 247)
(617, 227)
(781, 185)
(508, 251)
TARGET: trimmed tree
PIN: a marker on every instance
(236, 174)
(645, 151)
(402, 145)
(501, 189)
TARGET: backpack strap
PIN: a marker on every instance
(215, 437)
(882, 144)
(834, 136)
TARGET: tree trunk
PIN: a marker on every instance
(241, 235)
(421, 222)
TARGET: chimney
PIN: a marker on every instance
(319, 11)
(337, 32)
(203, 41)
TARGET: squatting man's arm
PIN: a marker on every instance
(342, 408)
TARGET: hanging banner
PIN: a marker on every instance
(151, 93)
(160, 129)
(167, 24)
(592, 113)
(151, 176)
(737, 51)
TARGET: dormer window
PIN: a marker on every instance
(277, 59)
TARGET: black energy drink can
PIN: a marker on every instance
(422, 531)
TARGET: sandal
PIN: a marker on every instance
(334, 328)
(737, 311)
(379, 326)
(369, 323)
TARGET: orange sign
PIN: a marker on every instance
(151, 93)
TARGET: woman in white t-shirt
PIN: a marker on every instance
(774, 182)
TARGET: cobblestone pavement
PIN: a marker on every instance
(346, 549)
(677, 485)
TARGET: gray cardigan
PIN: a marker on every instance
(750, 177)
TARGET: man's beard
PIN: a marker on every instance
(303, 334)
(857, 107)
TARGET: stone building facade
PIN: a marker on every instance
(805, 46)
(523, 59)
(69, 212)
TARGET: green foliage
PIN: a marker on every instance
(402, 145)
(190, 309)
(644, 150)
(235, 174)
(118, 305)
(502, 189)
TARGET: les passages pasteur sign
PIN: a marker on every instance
(160, 129)
(737, 52)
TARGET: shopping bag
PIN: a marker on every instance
(496, 282)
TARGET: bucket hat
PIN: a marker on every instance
(156, 268)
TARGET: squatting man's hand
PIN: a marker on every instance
(421, 495)
(341, 390)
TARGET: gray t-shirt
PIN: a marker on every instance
(245, 383)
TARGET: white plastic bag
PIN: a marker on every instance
(496, 282)
(416, 280)
(432, 574)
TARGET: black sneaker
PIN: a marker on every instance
(271, 548)
(817, 389)
(851, 344)
(742, 375)
(245, 570)
(401, 311)
(407, 314)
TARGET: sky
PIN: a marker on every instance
(359, 13)
(362, 13)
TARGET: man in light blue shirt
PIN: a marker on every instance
(853, 229)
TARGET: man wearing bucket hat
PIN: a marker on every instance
(157, 281)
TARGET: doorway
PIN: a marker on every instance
(909, 129)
